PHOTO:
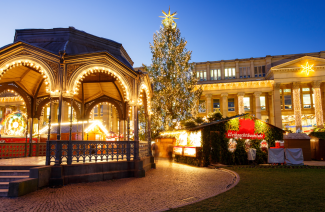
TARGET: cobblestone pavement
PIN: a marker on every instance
(170, 185)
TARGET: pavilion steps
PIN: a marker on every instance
(6, 176)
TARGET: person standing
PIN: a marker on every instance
(155, 152)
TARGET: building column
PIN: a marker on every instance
(222, 70)
(208, 71)
(270, 107)
(277, 105)
(297, 104)
(241, 108)
(224, 104)
(208, 102)
(237, 69)
(252, 68)
(257, 104)
(318, 104)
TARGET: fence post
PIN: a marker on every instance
(58, 153)
(128, 149)
(136, 150)
(47, 153)
(69, 161)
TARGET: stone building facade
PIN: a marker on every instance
(285, 90)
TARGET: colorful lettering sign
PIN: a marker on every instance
(246, 130)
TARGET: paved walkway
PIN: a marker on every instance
(170, 185)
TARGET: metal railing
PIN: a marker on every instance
(16, 150)
(59, 152)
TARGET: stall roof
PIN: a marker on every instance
(227, 119)
(296, 136)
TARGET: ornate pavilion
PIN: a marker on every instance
(46, 71)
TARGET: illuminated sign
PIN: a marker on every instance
(190, 151)
(178, 150)
(246, 131)
(307, 68)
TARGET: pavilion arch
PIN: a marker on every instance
(79, 74)
(27, 99)
(105, 99)
(47, 100)
(33, 62)
(145, 88)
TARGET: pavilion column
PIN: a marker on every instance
(318, 104)
(252, 68)
(237, 69)
(270, 107)
(222, 70)
(53, 113)
(121, 129)
(297, 105)
(30, 120)
(106, 116)
(114, 120)
(208, 102)
(224, 104)
(135, 123)
(149, 134)
(65, 112)
(241, 108)
(257, 105)
(277, 105)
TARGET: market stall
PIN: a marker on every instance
(225, 141)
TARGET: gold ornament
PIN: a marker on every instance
(169, 19)
(307, 68)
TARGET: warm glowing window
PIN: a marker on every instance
(287, 102)
(202, 106)
(306, 100)
(305, 89)
(244, 72)
(215, 74)
(216, 105)
(262, 103)
(48, 111)
(231, 104)
(230, 73)
(101, 110)
(259, 71)
(247, 104)
(96, 111)
(201, 75)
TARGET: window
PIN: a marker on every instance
(259, 71)
(313, 100)
(230, 73)
(262, 103)
(244, 72)
(201, 75)
(202, 106)
(247, 104)
(69, 112)
(101, 110)
(287, 90)
(96, 111)
(306, 100)
(215, 74)
(216, 105)
(231, 104)
(281, 102)
(305, 89)
(287, 102)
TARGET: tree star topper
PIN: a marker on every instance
(169, 19)
(307, 68)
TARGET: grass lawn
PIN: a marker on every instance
(269, 189)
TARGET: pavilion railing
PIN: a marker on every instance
(59, 152)
(16, 150)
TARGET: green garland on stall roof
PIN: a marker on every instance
(233, 124)
(320, 135)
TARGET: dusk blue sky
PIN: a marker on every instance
(215, 30)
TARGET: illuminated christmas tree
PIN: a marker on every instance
(175, 95)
